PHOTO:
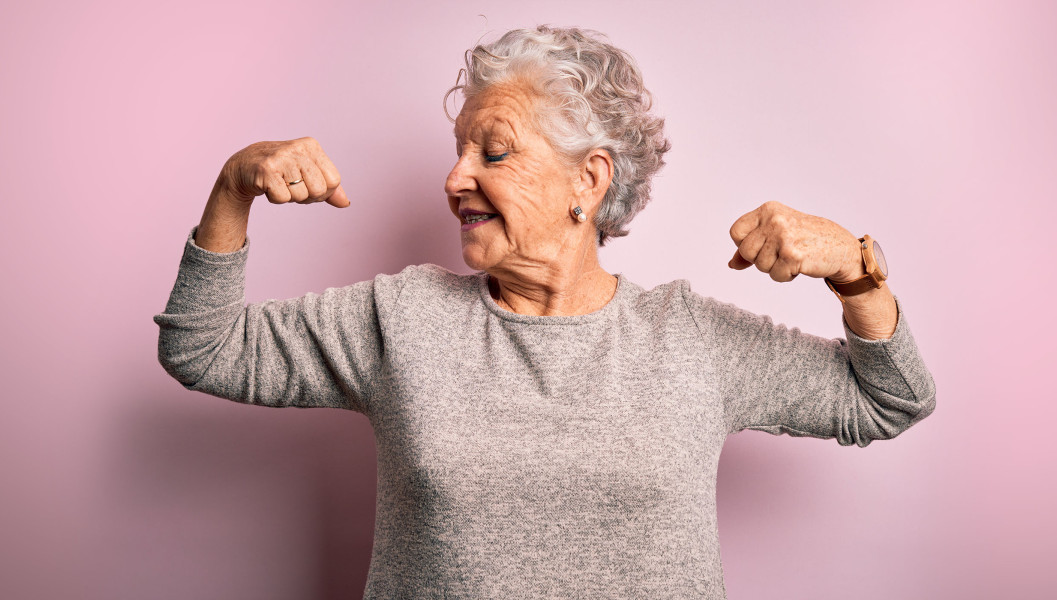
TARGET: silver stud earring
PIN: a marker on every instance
(580, 216)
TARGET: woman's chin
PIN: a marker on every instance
(474, 257)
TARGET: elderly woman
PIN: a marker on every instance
(544, 428)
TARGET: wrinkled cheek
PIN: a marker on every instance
(536, 236)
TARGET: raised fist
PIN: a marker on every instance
(291, 171)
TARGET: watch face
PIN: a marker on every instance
(879, 256)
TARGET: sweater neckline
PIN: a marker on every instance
(610, 307)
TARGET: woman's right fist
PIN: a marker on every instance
(292, 171)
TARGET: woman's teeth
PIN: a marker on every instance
(476, 218)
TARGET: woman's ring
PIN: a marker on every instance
(295, 182)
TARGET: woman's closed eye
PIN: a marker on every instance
(495, 157)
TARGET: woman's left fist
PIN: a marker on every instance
(784, 243)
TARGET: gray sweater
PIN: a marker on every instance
(525, 456)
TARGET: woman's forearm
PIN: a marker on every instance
(872, 315)
(224, 221)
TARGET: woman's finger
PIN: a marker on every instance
(338, 197)
(295, 182)
(315, 184)
(746, 224)
(784, 270)
(275, 188)
(738, 262)
(329, 171)
(768, 254)
(751, 244)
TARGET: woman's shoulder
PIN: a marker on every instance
(426, 284)
(431, 275)
(663, 305)
(676, 294)
(678, 297)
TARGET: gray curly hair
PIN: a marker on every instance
(597, 100)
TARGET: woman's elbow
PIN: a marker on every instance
(182, 364)
(884, 417)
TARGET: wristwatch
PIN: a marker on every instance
(876, 271)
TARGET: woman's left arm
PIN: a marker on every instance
(872, 386)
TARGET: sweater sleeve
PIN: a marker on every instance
(780, 380)
(319, 350)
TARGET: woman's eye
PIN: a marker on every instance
(495, 157)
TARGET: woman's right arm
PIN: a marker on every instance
(317, 350)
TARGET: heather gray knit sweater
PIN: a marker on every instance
(523, 456)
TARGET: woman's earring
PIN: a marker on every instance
(580, 216)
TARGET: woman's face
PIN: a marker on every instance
(509, 188)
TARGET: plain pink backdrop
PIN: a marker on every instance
(929, 125)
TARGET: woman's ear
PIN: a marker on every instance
(596, 173)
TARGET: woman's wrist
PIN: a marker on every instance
(873, 314)
(853, 265)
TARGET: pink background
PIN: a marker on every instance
(929, 125)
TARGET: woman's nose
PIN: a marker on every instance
(460, 180)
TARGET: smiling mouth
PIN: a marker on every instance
(472, 221)
(477, 218)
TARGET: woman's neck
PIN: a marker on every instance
(551, 289)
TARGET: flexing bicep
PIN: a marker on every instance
(316, 350)
(780, 380)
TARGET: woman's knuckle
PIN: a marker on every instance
(735, 232)
(269, 164)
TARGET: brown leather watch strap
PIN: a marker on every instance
(854, 288)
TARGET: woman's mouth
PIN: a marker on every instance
(475, 219)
